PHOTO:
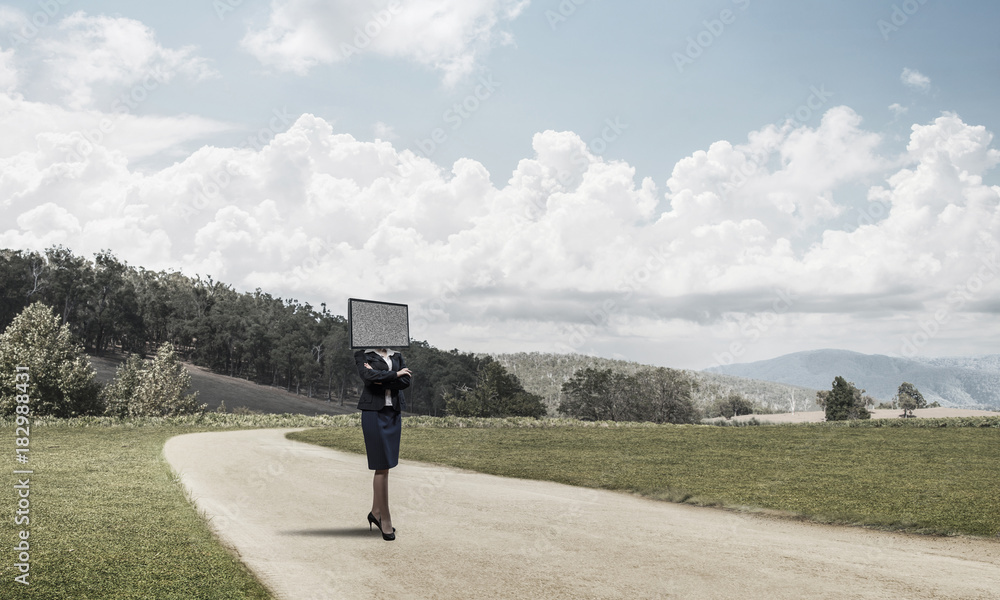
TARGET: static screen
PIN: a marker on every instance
(378, 324)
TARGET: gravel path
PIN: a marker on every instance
(295, 513)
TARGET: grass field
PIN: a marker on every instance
(109, 521)
(941, 480)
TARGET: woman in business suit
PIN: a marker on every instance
(385, 376)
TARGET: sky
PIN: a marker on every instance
(685, 184)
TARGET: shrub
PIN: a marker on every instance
(62, 381)
(155, 389)
(119, 393)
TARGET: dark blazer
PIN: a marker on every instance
(378, 379)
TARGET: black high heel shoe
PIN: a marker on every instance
(385, 536)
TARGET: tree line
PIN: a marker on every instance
(654, 394)
(717, 395)
(111, 306)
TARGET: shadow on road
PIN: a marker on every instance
(339, 532)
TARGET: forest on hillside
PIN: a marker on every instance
(111, 306)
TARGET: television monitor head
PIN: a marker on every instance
(372, 324)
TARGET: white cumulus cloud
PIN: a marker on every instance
(83, 56)
(446, 35)
(571, 252)
(915, 79)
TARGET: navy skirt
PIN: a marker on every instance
(381, 429)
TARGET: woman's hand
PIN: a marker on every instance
(369, 367)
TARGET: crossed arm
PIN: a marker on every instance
(393, 380)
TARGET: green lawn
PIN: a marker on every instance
(930, 480)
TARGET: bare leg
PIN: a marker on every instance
(380, 499)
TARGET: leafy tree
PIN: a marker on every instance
(154, 389)
(731, 406)
(663, 396)
(21, 279)
(338, 361)
(909, 399)
(112, 312)
(863, 402)
(498, 393)
(262, 334)
(908, 404)
(66, 284)
(844, 401)
(62, 380)
(590, 395)
(439, 375)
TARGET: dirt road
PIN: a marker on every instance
(295, 513)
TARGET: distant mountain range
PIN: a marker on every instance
(961, 382)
